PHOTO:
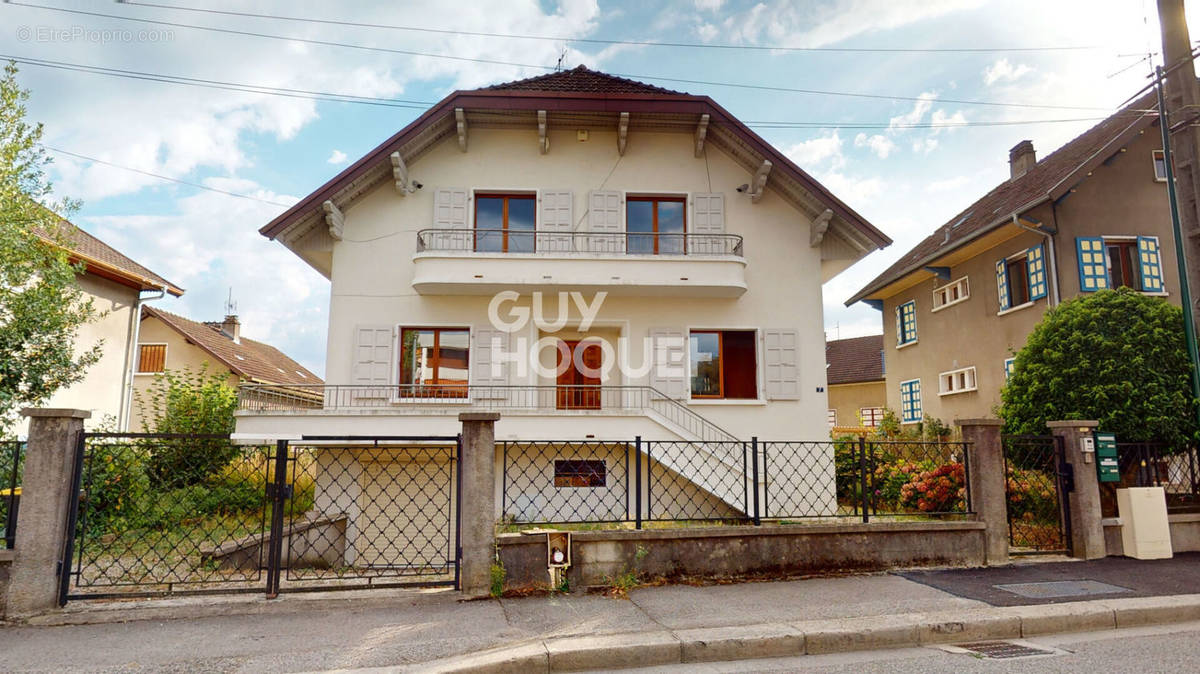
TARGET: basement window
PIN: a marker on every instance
(579, 473)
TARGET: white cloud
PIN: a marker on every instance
(946, 185)
(881, 145)
(925, 145)
(707, 31)
(946, 122)
(809, 24)
(1003, 71)
(336, 157)
(816, 151)
(852, 190)
(709, 5)
(920, 108)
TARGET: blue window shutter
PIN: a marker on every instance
(1151, 263)
(1009, 363)
(1036, 269)
(906, 322)
(910, 401)
(1002, 284)
(1093, 267)
(899, 328)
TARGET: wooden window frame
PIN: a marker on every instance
(1155, 157)
(1130, 256)
(436, 390)
(579, 479)
(655, 199)
(722, 395)
(138, 369)
(1017, 261)
(504, 219)
(876, 416)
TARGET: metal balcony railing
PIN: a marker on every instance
(563, 243)
(552, 399)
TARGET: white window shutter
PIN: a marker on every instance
(708, 217)
(669, 373)
(486, 370)
(558, 215)
(372, 367)
(604, 215)
(450, 212)
(781, 350)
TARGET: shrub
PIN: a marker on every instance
(192, 403)
(1032, 495)
(116, 486)
(942, 489)
(890, 478)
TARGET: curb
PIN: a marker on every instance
(768, 640)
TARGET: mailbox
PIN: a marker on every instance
(1108, 469)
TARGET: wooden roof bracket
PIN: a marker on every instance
(622, 133)
(701, 132)
(820, 224)
(543, 140)
(399, 174)
(461, 118)
(759, 183)
(334, 219)
(940, 272)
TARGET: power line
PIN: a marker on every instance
(162, 177)
(412, 104)
(405, 52)
(636, 43)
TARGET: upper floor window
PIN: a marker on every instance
(951, 293)
(1009, 364)
(906, 323)
(655, 225)
(434, 361)
(504, 223)
(956, 381)
(1160, 166)
(1122, 258)
(152, 358)
(723, 364)
(1116, 262)
(1021, 278)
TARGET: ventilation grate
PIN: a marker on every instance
(1003, 650)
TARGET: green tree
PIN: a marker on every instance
(41, 307)
(187, 402)
(1115, 356)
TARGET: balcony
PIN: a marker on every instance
(483, 262)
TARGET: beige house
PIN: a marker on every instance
(170, 342)
(957, 307)
(593, 257)
(857, 388)
(118, 288)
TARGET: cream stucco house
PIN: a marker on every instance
(687, 255)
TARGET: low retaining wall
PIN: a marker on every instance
(599, 556)
(1185, 533)
(6, 558)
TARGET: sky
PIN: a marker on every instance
(276, 149)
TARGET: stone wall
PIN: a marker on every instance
(1185, 533)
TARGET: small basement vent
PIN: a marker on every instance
(1003, 650)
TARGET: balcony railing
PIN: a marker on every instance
(615, 243)
(552, 399)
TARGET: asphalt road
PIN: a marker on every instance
(1169, 648)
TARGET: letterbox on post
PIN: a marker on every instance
(1108, 469)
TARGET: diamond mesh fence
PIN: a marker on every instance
(1156, 464)
(699, 481)
(566, 482)
(1035, 508)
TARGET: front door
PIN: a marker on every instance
(577, 390)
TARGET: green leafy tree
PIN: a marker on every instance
(41, 307)
(1115, 356)
(188, 402)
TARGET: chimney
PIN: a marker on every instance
(231, 328)
(1021, 158)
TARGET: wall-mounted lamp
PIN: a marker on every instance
(743, 187)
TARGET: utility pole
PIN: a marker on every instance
(1183, 112)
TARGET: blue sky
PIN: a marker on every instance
(278, 149)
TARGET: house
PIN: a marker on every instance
(857, 388)
(118, 287)
(170, 342)
(958, 306)
(593, 257)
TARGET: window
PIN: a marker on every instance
(910, 401)
(576, 473)
(1116, 262)
(871, 416)
(1160, 166)
(1009, 363)
(1021, 278)
(723, 364)
(906, 323)
(152, 358)
(831, 416)
(1017, 273)
(504, 223)
(951, 293)
(956, 381)
(433, 362)
(1122, 259)
(655, 225)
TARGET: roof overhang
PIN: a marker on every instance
(117, 274)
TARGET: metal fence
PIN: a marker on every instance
(1156, 464)
(631, 243)
(12, 463)
(639, 481)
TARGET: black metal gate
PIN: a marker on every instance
(1038, 483)
(163, 514)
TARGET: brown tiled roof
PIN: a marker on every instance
(92, 250)
(247, 358)
(1049, 179)
(854, 360)
(582, 80)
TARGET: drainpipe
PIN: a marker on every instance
(1052, 272)
(135, 331)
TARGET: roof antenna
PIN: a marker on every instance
(230, 305)
(561, 57)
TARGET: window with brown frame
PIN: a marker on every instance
(579, 473)
(1123, 264)
(504, 223)
(434, 362)
(152, 358)
(1018, 280)
(655, 225)
(723, 364)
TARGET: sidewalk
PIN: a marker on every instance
(657, 624)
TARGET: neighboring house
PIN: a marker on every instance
(957, 307)
(857, 389)
(711, 245)
(117, 287)
(170, 342)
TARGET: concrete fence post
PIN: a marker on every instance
(987, 483)
(1087, 532)
(478, 528)
(45, 498)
